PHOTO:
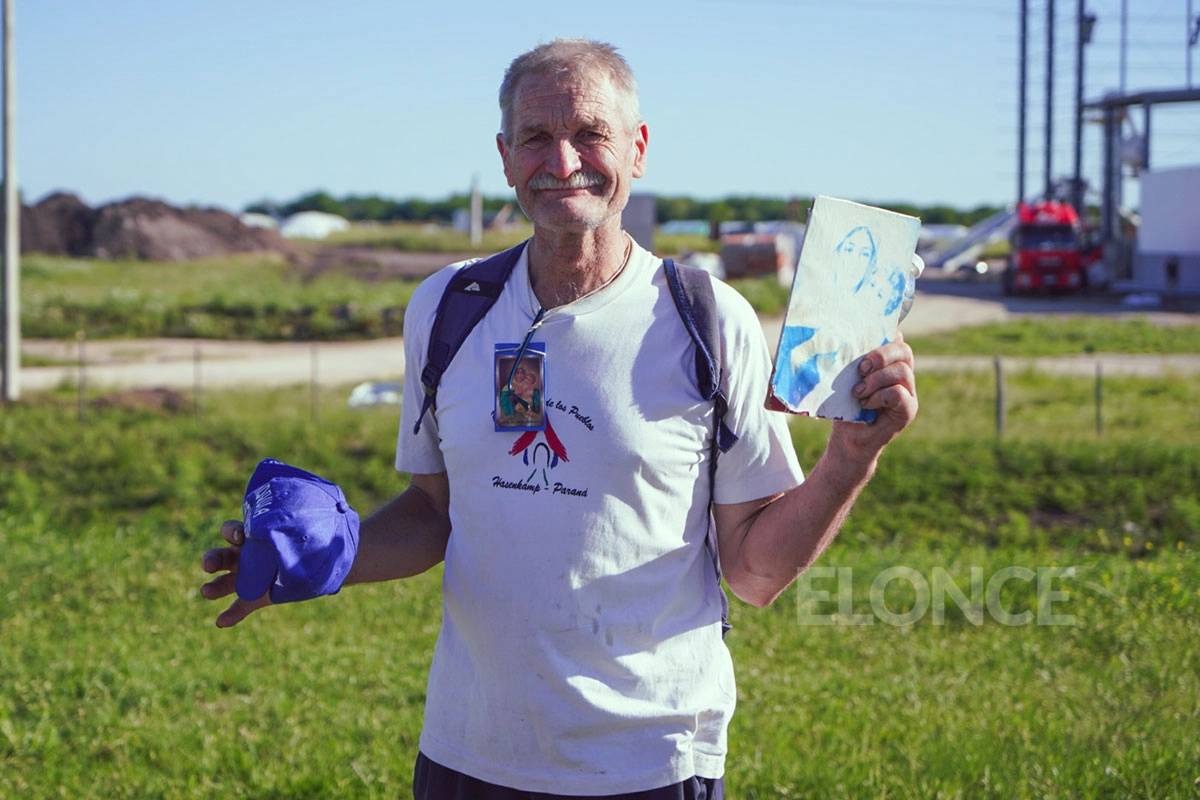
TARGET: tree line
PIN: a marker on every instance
(795, 209)
(373, 208)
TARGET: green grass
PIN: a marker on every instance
(1051, 480)
(267, 298)
(1001, 248)
(765, 295)
(1062, 335)
(118, 685)
(29, 360)
(245, 297)
(1098, 708)
(1045, 405)
(675, 243)
(432, 238)
(428, 238)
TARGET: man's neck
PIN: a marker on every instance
(564, 267)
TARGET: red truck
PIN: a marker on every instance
(1048, 251)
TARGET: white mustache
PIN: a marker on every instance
(576, 180)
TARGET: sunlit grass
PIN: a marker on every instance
(1062, 335)
(674, 244)
(428, 238)
(244, 297)
(118, 685)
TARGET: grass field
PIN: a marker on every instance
(428, 238)
(245, 297)
(910, 663)
(1056, 336)
(118, 685)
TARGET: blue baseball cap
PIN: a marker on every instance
(301, 535)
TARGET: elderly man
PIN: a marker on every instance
(581, 649)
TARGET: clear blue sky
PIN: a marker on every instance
(230, 101)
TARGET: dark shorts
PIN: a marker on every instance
(432, 781)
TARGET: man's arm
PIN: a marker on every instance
(405, 537)
(766, 543)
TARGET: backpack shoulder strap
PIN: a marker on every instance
(468, 297)
(692, 291)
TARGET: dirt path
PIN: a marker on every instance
(186, 363)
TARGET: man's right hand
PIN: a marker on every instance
(225, 560)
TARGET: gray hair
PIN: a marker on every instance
(569, 58)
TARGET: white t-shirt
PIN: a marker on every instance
(580, 649)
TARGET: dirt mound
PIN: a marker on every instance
(60, 225)
(140, 228)
(159, 399)
(154, 231)
(369, 264)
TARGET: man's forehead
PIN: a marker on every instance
(589, 98)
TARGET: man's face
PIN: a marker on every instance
(572, 153)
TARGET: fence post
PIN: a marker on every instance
(81, 340)
(1000, 406)
(1099, 402)
(313, 384)
(196, 378)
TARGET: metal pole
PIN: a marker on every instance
(1146, 135)
(1049, 159)
(1077, 184)
(1124, 39)
(12, 227)
(1021, 103)
(1187, 49)
(1108, 212)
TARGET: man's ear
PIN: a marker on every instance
(641, 139)
(504, 158)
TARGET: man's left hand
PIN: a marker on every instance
(888, 386)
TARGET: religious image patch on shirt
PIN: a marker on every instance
(519, 386)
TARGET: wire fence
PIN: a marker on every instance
(1001, 397)
(185, 385)
(186, 377)
(1001, 405)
